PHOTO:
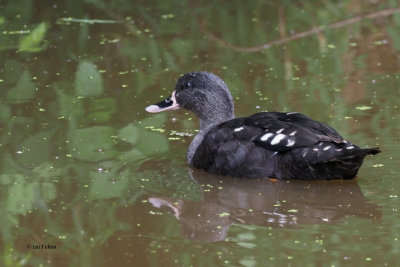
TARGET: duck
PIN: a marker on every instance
(277, 145)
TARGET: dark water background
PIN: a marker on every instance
(87, 178)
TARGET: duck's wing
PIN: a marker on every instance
(274, 131)
(287, 131)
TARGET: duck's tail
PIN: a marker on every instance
(362, 152)
(372, 151)
(346, 166)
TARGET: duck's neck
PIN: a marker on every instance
(206, 124)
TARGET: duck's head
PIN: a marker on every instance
(203, 93)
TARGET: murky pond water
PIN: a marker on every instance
(88, 178)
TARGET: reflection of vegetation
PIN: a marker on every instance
(74, 147)
(315, 30)
(32, 42)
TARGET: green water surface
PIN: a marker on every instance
(88, 178)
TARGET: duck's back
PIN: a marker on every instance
(278, 145)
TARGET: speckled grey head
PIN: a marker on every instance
(203, 93)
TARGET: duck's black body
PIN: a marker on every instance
(268, 144)
(303, 149)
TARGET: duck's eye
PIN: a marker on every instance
(186, 85)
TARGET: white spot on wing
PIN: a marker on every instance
(350, 147)
(315, 149)
(266, 136)
(290, 142)
(279, 131)
(238, 129)
(290, 113)
(293, 133)
(277, 139)
(327, 148)
(305, 154)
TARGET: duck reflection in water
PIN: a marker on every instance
(264, 202)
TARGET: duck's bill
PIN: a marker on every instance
(167, 104)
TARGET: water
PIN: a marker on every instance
(87, 178)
